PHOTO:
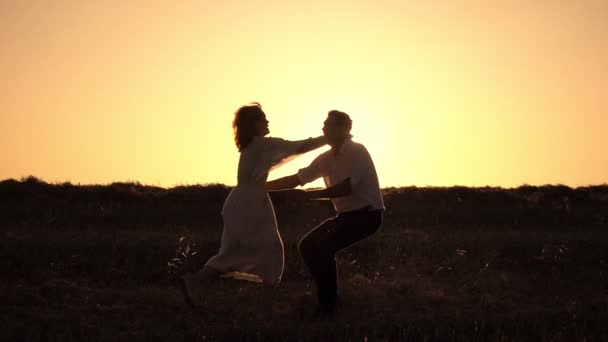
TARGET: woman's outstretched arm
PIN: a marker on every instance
(287, 185)
(311, 144)
(341, 189)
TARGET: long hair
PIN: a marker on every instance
(245, 119)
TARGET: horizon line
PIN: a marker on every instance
(208, 184)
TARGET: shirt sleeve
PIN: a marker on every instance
(315, 170)
(282, 151)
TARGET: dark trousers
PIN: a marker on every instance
(318, 248)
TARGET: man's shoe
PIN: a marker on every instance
(327, 312)
(185, 282)
(339, 303)
(322, 314)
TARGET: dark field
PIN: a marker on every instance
(450, 264)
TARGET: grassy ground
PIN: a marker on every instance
(440, 283)
(462, 264)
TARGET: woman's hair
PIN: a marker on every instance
(245, 119)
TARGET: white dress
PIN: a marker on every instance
(251, 247)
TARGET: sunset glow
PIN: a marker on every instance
(442, 93)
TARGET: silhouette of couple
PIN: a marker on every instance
(251, 246)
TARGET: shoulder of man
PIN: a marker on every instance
(324, 155)
(359, 147)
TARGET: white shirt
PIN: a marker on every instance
(352, 160)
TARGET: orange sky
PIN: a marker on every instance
(441, 92)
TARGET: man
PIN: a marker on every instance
(352, 185)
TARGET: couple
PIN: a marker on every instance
(251, 246)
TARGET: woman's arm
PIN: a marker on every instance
(282, 185)
(288, 182)
(311, 144)
(338, 190)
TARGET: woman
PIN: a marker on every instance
(251, 246)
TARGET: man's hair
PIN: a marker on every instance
(342, 119)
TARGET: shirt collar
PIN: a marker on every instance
(344, 146)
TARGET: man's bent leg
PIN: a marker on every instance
(321, 261)
(318, 248)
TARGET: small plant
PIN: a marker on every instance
(183, 253)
